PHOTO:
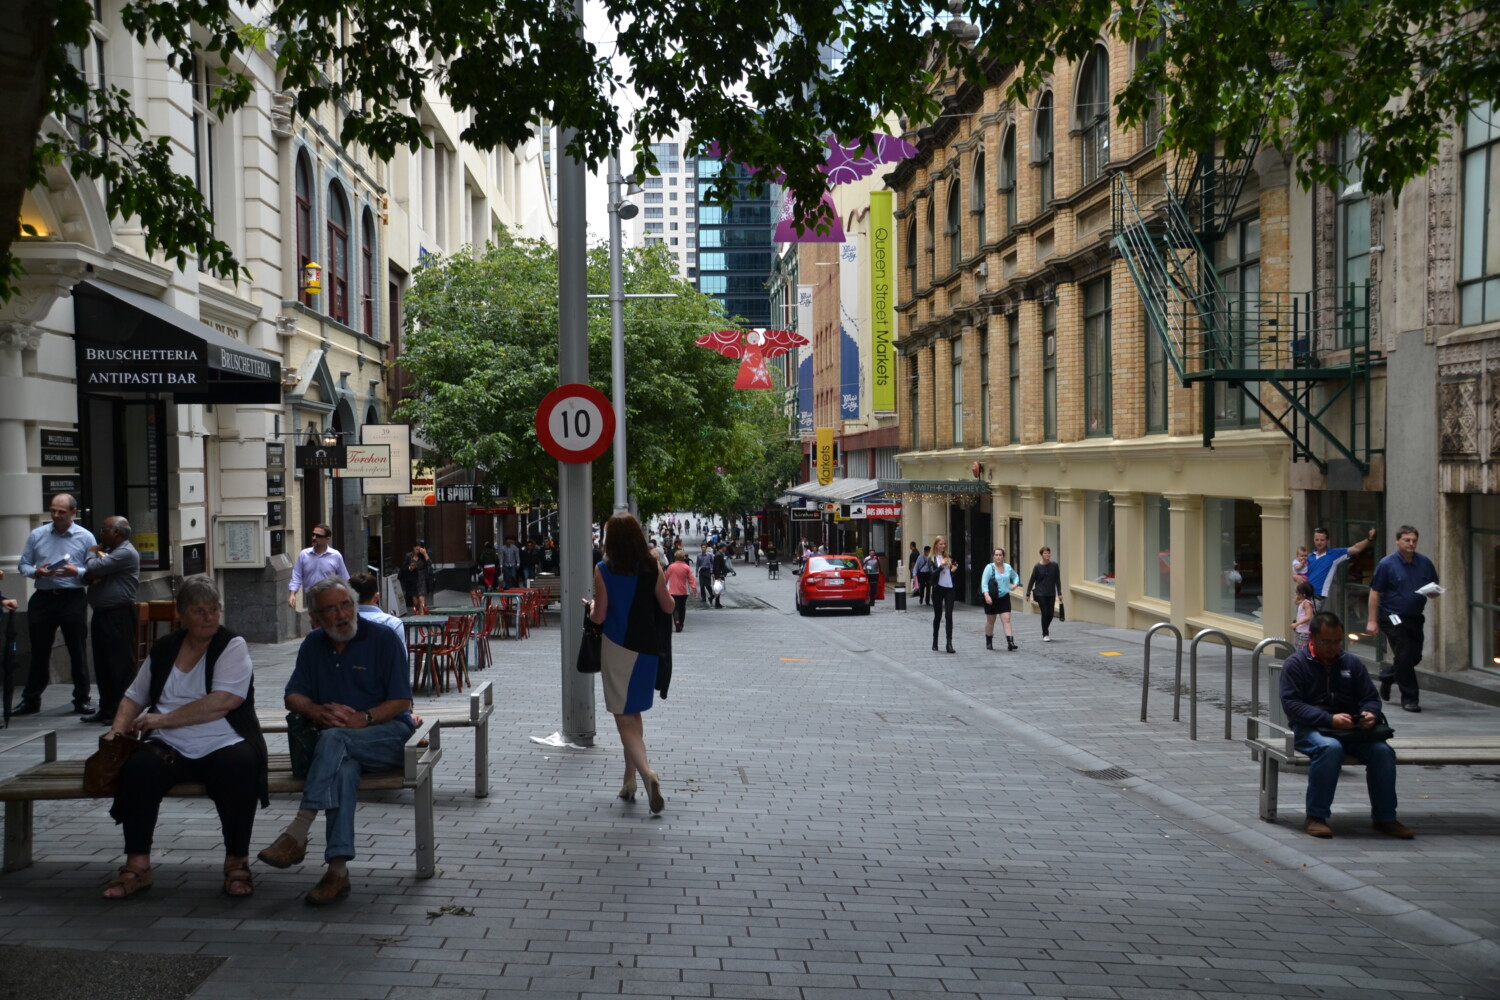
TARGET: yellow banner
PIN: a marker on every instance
(882, 303)
(825, 455)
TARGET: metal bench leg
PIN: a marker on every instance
(426, 850)
(18, 817)
(482, 759)
(1270, 775)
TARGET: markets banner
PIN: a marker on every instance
(882, 304)
(851, 286)
(805, 360)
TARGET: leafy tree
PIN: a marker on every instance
(753, 76)
(481, 347)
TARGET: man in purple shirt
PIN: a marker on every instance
(317, 562)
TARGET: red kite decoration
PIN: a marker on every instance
(751, 348)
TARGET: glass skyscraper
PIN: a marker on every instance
(735, 254)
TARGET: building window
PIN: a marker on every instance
(654, 183)
(1091, 114)
(1157, 515)
(1479, 266)
(367, 273)
(955, 224)
(653, 213)
(205, 141)
(913, 395)
(1151, 128)
(337, 275)
(931, 238)
(1013, 360)
(1099, 549)
(127, 467)
(1239, 269)
(1352, 245)
(984, 387)
(1042, 151)
(1049, 371)
(1008, 178)
(653, 197)
(1096, 358)
(1232, 558)
(976, 199)
(958, 392)
(304, 222)
(668, 160)
(911, 259)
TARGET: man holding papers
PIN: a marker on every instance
(1399, 590)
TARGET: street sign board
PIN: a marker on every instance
(803, 514)
(856, 512)
(365, 461)
(457, 493)
(882, 510)
(575, 423)
(320, 456)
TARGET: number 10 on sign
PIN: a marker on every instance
(575, 423)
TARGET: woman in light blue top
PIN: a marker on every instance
(998, 581)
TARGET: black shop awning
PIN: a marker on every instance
(133, 344)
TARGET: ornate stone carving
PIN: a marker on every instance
(281, 115)
(1493, 414)
(20, 336)
(1458, 418)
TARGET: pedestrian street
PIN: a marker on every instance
(848, 815)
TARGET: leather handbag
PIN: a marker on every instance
(101, 772)
(302, 743)
(589, 649)
(1062, 612)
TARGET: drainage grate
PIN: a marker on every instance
(1108, 774)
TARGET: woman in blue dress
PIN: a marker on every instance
(629, 589)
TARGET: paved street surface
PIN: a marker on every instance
(850, 816)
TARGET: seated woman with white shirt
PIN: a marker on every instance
(193, 706)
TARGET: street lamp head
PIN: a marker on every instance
(632, 189)
(628, 210)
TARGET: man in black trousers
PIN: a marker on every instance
(53, 557)
(114, 573)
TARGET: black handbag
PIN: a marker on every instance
(302, 742)
(589, 650)
(1062, 612)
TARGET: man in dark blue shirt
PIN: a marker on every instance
(1328, 698)
(1396, 608)
(351, 681)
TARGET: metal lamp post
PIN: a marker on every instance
(619, 210)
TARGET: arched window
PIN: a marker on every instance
(1151, 128)
(976, 198)
(1091, 113)
(304, 222)
(367, 274)
(911, 259)
(1008, 178)
(931, 238)
(955, 224)
(1042, 150)
(337, 275)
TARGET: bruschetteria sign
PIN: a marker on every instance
(882, 295)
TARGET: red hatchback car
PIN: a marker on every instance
(833, 582)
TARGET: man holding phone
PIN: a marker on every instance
(55, 556)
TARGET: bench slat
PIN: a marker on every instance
(63, 779)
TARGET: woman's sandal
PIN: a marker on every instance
(132, 880)
(238, 873)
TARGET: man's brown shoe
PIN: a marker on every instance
(329, 888)
(1317, 827)
(1394, 829)
(284, 852)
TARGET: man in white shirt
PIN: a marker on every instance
(368, 589)
(316, 562)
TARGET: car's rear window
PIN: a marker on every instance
(818, 563)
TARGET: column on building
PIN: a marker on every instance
(1129, 534)
(1187, 556)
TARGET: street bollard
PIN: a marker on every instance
(900, 597)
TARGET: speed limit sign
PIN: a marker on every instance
(575, 423)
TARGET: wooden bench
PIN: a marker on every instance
(55, 779)
(1277, 752)
(475, 716)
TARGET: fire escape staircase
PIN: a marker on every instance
(1311, 348)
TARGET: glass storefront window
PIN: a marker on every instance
(1158, 555)
(1099, 514)
(1232, 560)
(1484, 582)
(1349, 516)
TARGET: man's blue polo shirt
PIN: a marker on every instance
(1319, 567)
(1397, 581)
(371, 669)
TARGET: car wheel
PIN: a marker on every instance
(801, 608)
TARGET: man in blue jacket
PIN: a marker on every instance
(1329, 697)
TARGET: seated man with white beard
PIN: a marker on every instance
(351, 681)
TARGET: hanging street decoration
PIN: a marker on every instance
(752, 348)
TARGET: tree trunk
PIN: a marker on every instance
(23, 80)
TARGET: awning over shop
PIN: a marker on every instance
(838, 491)
(133, 344)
